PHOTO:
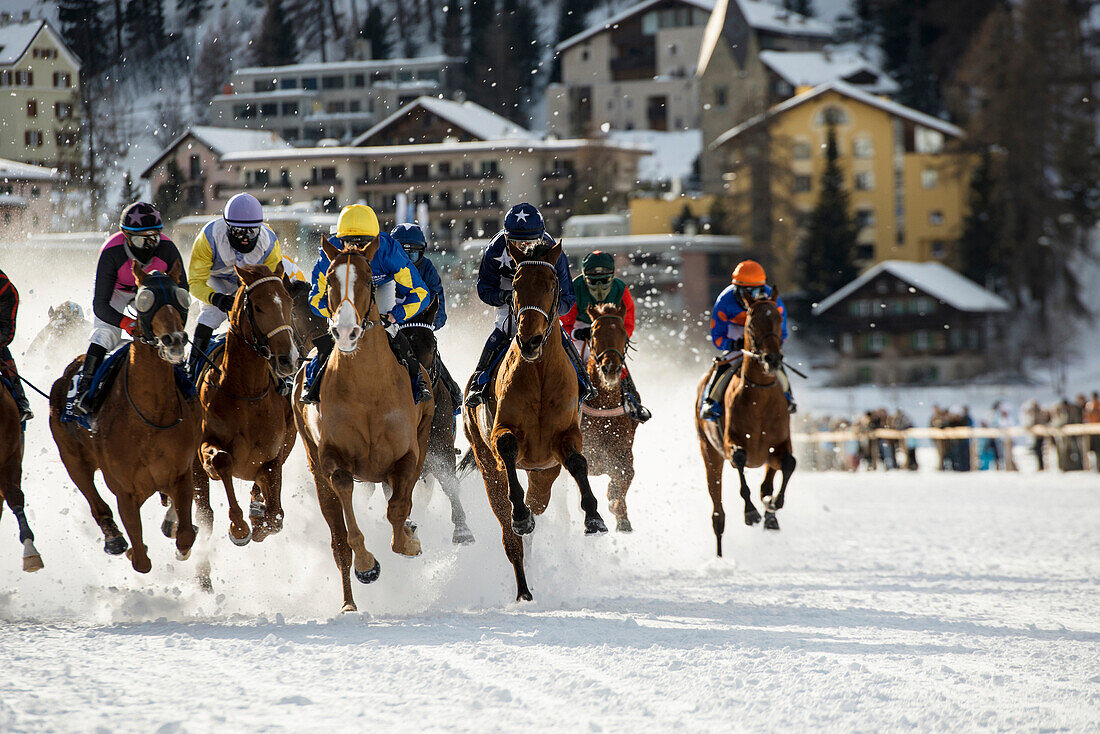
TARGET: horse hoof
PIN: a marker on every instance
(369, 577)
(183, 555)
(770, 523)
(462, 536)
(525, 526)
(115, 546)
(524, 595)
(32, 563)
(622, 525)
(594, 525)
(412, 526)
(751, 516)
(257, 509)
(240, 542)
(347, 608)
(168, 528)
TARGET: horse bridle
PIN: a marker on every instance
(261, 345)
(759, 356)
(364, 322)
(612, 350)
(517, 312)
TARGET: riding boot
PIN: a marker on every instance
(785, 383)
(311, 390)
(450, 384)
(406, 356)
(711, 409)
(199, 344)
(633, 400)
(17, 392)
(585, 389)
(92, 360)
(494, 345)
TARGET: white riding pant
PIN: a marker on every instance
(107, 335)
(503, 320)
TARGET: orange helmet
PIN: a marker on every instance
(749, 273)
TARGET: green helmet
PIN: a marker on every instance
(598, 262)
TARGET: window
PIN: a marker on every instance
(381, 75)
(335, 107)
(263, 85)
(332, 82)
(6, 78)
(865, 218)
(44, 53)
(876, 342)
(244, 111)
(62, 110)
(929, 177)
(196, 166)
(721, 98)
(832, 116)
(938, 250)
(354, 105)
(62, 79)
(32, 108)
(862, 147)
(66, 138)
(284, 178)
(420, 172)
(328, 174)
(672, 49)
(359, 80)
(802, 184)
(444, 170)
(846, 343)
(309, 82)
(584, 55)
(921, 342)
(489, 168)
(404, 75)
(649, 23)
(290, 108)
(935, 217)
(865, 252)
(927, 140)
(24, 78)
(290, 83)
(290, 133)
(865, 181)
(269, 109)
(262, 177)
(32, 138)
(801, 150)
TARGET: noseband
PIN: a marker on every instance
(364, 321)
(553, 308)
(261, 345)
(611, 350)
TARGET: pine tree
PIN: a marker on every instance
(829, 247)
(169, 196)
(802, 7)
(276, 45)
(129, 193)
(571, 21)
(191, 12)
(83, 30)
(980, 254)
(453, 34)
(374, 30)
(479, 61)
(144, 28)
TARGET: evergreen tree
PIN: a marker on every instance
(829, 247)
(169, 198)
(521, 56)
(83, 30)
(718, 217)
(479, 62)
(374, 30)
(144, 28)
(191, 12)
(571, 21)
(802, 7)
(980, 256)
(129, 193)
(276, 45)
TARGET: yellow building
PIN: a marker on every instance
(39, 85)
(906, 176)
(659, 215)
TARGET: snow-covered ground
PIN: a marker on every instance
(903, 601)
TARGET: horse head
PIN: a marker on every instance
(162, 311)
(609, 341)
(764, 333)
(351, 289)
(262, 315)
(535, 296)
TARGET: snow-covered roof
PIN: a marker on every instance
(762, 16)
(935, 279)
(852, 92)
(470, 116)
(674, 153)
(811, 68)
(245, 95)
(223, 140)
(336, 66)
(25, 171)
(15, 38)
(614, 20)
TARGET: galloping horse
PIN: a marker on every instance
(11, 476)
(440, 462)
(530, 419)
(247, 426)
(755, 425)
(367, 425)
(607, 428)
(146, 433)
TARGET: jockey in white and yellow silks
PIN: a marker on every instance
(399, 292)
(238, 237)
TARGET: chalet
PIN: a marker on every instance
(906, 322)
(26, 198)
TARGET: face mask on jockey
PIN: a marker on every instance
(243, 239)
(414, 251)
(599, 284)
(142, 246)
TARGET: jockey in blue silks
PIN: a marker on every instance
(523, 225)
(411, 238)
(399, 291)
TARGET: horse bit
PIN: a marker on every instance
(537, 309)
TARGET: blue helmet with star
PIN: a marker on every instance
(524, 222)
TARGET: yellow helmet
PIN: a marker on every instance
(357, 220)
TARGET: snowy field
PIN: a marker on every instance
(888, 602)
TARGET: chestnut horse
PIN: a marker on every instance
(440, 462)
(366, 426)
(607, 429)
(247, 426)
(755, 427)
(530, 420)
(146, 433)
(11, 476)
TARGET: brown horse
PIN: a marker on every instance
(11, 476)
(530, 421)
(755, 426)
(607, 428)
(440, 462)
(366, 426)
(146, 433)
(247, 426)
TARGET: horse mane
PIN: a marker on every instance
(608, 309)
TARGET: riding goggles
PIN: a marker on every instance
(245, 233)
(357, 240)
(143, 241)
(598, 279)
(755, 292)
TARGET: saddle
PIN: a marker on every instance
(213, 353)
(102, 381)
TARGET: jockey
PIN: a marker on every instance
(595, 285)
(414, 243)
(727, 331)
(139, 240)
(9, 307)
(523, 224)
(238, 237)
(400, 294)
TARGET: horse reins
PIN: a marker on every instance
(531, 307)
(364, 323)
(612, 350)
(263, 348)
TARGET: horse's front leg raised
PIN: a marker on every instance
(219, 465)
(367, 568)
(739, 459)
(577, 466)
(32, 560)
(507, 446)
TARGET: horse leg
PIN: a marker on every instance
(82, 473)
(577, 466)
(712, 462)
(786, 466)
(539, 482)
(399, 506)
(130, 513)
(739, 460)
(182, 499)
(204, 516)
(497, 490)
(766, 498)
(444, 472)
(270, 482)
(341, 551)
(219, 464)
(12, 493)
(523, 521)
(620, 479)
(366, 565)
